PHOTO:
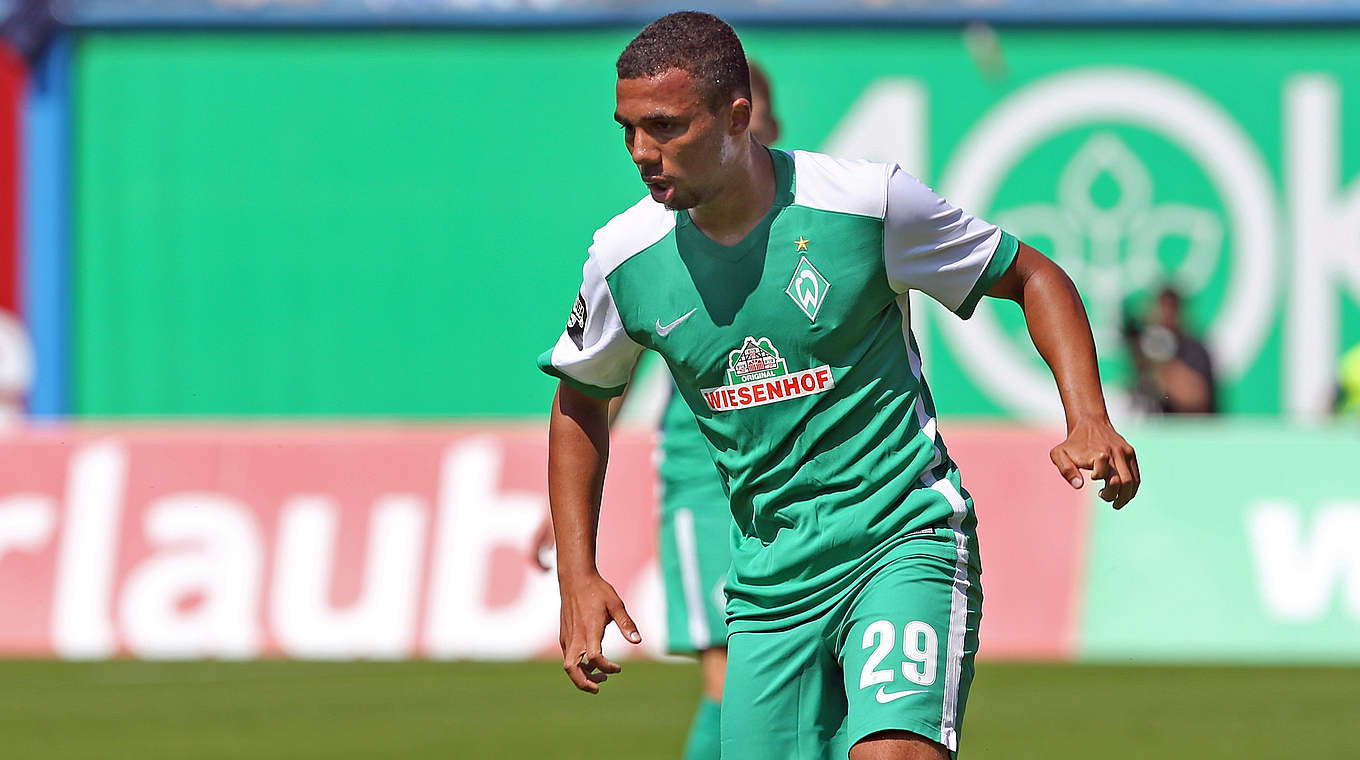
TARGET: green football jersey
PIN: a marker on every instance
(794, 351)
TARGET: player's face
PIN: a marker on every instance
(679, 145)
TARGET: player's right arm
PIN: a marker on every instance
(543, 542)
(578, 448)
(593, 359)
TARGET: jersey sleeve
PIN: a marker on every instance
(594, 353)
(939, 249)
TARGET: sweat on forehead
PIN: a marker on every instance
(699, 43)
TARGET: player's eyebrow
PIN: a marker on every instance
(653, 116)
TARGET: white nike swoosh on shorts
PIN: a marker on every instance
(664, 330)
(885, 698)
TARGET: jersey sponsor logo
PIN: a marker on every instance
(808, 288)
(758, 375)
(664, 330)
(576, 323)
(755, 360)
(808, 382)
(884, 697)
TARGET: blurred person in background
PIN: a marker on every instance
(851, 525)
(696, 522)
(1347, 400)
(1174, 370)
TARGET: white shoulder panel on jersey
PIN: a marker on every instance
(630, 233)
(595, 349)
(837, 184)
(931, 245)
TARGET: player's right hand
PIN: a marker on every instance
(589, 604)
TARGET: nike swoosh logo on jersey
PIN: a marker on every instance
(886, 697)
(664, 330)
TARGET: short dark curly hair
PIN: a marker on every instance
(700, 43)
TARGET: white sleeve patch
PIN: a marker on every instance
(836, 184)
(595, 349)
(932, 246)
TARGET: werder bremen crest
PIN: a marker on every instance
(755, 360)
(808, 288)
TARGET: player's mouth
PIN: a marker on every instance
(661, 190)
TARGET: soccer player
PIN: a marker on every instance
(775, 287)
(695, 523)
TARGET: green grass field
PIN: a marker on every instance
(257, 710)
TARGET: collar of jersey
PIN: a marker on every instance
(783, 197)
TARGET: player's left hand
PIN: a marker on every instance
(1097, 448)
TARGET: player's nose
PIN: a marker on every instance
(644, 151)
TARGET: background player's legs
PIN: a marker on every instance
(714, 664)
(694, 562)
(897, 745)
(703, 742)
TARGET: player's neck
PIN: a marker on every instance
(745, 198)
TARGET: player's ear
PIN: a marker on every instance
(740, 119)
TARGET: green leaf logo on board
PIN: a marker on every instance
(1122, 232)
(1131, 180)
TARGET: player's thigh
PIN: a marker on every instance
(695, 547)
(782, 697)
(907, 654)
(898, 745)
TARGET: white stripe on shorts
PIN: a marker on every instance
(958, 619)
(687, 552)
(958, 601)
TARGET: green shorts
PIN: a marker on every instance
(695, 546)
(896, 653)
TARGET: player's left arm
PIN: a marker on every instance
(1061, 332)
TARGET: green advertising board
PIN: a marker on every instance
(1241, 546)
(368, 224)
(393, 224)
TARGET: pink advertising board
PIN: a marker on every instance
(395, 542)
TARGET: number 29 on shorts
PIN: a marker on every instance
(920, 649)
